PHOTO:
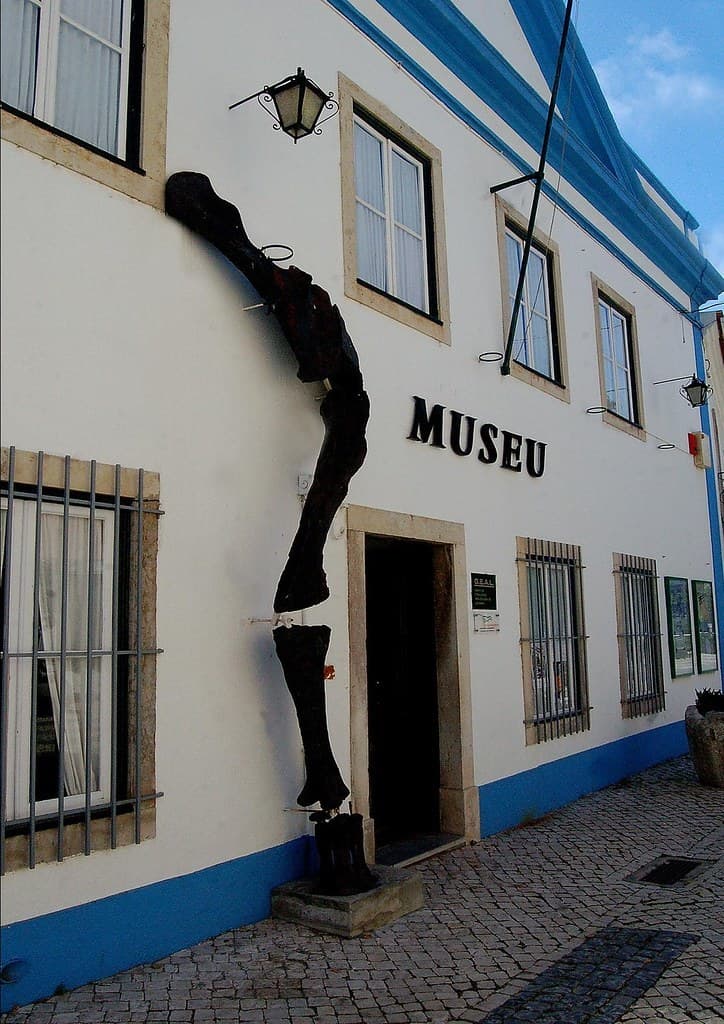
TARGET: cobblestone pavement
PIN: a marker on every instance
(539, 924)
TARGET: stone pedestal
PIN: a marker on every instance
(397, 893)
(705, 734)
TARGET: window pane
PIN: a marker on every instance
(87, 89)
(619, 339)
(371, 248)
(19, 52)
(410, 269)
(605, 329)
(102, 17)
(623, 397)
(406, 192)
(369, 179)
(535, 275)
(513, 251)
(541, 347)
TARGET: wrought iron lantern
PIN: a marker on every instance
(696, 392)
(296, 104)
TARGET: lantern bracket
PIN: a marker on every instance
(266, 98)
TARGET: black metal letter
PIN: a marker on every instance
(457, 418)
(511, 451)
(530, 457)
(423, 425)
(489, 452)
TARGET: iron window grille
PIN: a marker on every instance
(553, 640)
(77, 716)
(639, 636)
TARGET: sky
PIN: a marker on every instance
(659, 63)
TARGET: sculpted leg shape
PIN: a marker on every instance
(316, 333)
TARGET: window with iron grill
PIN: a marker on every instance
(78, 656)
(553, 640)
(639, 636)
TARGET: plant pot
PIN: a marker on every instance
(705, 734)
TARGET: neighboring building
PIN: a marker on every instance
(713, 337)
(502, 568)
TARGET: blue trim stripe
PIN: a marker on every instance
(529, 795)
(447, 34)
(81, 944)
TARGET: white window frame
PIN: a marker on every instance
(388, 148)
(434, 324)
(20, 712)
(46, 65)
(525, 315)
(614, 413)
(621, 372)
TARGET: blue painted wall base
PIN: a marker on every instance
(81, 944)
(528, 795)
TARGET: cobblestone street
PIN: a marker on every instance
(540, 924)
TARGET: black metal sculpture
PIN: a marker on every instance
(317, 335)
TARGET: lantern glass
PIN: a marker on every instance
(696, 392)
(298, 104)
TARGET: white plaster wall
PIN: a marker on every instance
(124, 342)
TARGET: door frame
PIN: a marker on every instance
(459, 801)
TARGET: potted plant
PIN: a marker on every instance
(705, 733)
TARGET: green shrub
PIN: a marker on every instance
(709, 700)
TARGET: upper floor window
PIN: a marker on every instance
(535, 344)
(392, 213)
(392, 250)
(539, 351)
(618, 375)
(75, 65)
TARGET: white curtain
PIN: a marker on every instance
(50, 592)
(87, 89)
(18, 53)
(371, 210)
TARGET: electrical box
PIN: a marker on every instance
(700, 448)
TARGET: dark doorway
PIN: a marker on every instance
(404, 749)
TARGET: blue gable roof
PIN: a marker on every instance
(588, 149)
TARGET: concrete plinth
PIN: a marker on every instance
(397, 893)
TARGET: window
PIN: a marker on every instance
(84, 84)
(538, 348)
(639, 637)
(70, 63)
(391, 230)
(618, 361)
(77, 651)
(392, 215)
(553, 639)
(534, 344)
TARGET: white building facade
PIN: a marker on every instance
(523, 577)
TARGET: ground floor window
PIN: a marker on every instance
(78, 546)
(553, 639)
(639, 636)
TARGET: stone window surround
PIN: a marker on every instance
(352, 98)
(602, 290)
(506, 214)
(146, 185)
(46, 849)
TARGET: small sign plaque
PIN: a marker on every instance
(483, 591)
